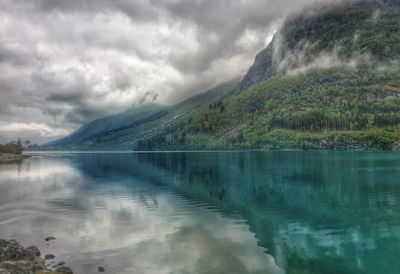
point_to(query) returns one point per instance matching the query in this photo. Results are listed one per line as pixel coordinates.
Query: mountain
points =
(330, 79)
(331, 36)
(114, 123)
(123, 131)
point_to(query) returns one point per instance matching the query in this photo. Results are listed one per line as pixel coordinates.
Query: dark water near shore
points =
(222, 212)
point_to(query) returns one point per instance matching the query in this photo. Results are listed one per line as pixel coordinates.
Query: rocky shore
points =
(15, 259)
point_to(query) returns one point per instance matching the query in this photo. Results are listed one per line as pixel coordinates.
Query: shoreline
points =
(14, 258)
(8, 157)
(31, 153)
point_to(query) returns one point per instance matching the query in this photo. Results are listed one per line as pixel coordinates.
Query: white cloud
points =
(43, 130)
(64, 63)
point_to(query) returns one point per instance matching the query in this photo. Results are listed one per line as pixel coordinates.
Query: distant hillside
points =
(330, 79)
(123, 131)
(109, 124)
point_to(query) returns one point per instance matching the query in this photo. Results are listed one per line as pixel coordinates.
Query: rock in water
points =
(13, 242)
(60, 263)
(34, 249)
(49, 256)
(15, 259)
(64, 270)
(101, 269)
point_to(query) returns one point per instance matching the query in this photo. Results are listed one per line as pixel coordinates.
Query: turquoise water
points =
(204, 212)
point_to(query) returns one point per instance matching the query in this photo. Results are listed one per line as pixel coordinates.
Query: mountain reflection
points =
(315, 212)
(114, 211)
(242, 212)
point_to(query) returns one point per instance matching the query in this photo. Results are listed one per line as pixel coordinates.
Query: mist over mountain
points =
(329, 79)
(66, 63)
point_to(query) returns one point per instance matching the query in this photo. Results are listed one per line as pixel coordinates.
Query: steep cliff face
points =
(261, 69)
(348, 34)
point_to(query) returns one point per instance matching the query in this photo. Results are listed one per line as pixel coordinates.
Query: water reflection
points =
(244, 212)
(111, 210)
(319, 212)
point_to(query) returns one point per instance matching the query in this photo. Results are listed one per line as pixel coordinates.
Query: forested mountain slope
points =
(330, 79)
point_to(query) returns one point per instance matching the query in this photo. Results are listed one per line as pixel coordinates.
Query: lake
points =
(208, 212)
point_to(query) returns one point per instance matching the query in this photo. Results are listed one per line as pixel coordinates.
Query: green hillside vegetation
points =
(328, 80)
(330, 109)
(369, 28)
(352, 103)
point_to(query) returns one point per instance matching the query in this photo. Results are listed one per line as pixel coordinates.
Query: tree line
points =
(15, 147)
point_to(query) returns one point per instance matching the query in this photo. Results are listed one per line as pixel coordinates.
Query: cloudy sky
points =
(66, 62)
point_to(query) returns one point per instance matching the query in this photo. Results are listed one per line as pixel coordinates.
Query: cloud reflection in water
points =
(124, 223)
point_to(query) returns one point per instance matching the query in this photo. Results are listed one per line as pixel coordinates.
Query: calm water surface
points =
(221, 212)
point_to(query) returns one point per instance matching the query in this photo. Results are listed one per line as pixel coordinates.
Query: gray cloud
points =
(64, 63)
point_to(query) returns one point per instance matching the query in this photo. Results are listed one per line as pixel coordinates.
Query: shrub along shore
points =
(12, 151)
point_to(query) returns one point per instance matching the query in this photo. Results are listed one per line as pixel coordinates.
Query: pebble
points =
(49, 256)
(60, 263)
